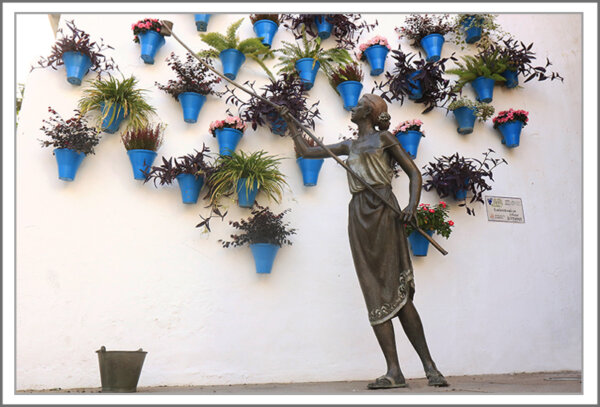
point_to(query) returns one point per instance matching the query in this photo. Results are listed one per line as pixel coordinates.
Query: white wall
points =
(106, 260)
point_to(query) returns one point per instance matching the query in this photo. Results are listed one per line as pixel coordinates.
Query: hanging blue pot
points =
(512, 78)
(416, 89)
(266, 29)
(350, 92)
(376, 55)
(511, 133)
(419, 244)
(112, 121)
(76, 65)
(323, 26)
(310, 168)
(264, 256)
(461, 193)
(473, 32)
(228, 139)
(191, 103)
(432, 44)
(190, 186)
(410, 141)
(307, 70)
(151, 41)
(246, 197)
(201, 21)
(141, 160)
(465, 116)
(68, 161)
(276, 123)
(232, 60)
(484, 88)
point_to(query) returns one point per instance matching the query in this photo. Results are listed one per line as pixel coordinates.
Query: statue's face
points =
(361, 111)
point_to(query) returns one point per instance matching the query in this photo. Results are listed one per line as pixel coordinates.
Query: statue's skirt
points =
(380, 253)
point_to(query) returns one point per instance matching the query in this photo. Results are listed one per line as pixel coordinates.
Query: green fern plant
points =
(255, 167)
(472, 67)
(292, 52)
(111, 92)
(252, 48)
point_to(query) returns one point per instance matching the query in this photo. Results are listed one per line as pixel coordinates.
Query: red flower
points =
(450, 223)
(431, 211)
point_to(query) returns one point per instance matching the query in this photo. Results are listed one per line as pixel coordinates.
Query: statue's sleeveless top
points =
(371, 161)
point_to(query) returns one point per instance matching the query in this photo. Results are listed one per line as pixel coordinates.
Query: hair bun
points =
(384, 120)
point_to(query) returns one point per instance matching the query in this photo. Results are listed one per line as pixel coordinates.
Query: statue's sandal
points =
(386, 382)
(437, 380)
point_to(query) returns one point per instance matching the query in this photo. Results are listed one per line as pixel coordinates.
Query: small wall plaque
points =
(504, 209)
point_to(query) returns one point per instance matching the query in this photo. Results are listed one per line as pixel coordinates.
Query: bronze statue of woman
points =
(377, 235)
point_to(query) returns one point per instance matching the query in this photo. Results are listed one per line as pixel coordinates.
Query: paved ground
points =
(518, 383)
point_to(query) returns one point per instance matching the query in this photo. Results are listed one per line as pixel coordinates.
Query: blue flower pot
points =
(113, 119)
(461, 194)
(228, 139)
(465, 116)
(511, 133)
(151, 41)
(473, 33)
(232, 60)
(310, 168)
(484, 88)
(432, 44)
(307, 70)
(76, 65)
(410, 141)
(418, 244)
(376, 55)
(68, 162)
(416, 89)
(276, 123)
(191, 103)
(190, 186)
(323, 27)
(141, 160)
(246, 197)
(512, 78)
(350, 92)
(201, 21)
(264, 256)
(266, 29)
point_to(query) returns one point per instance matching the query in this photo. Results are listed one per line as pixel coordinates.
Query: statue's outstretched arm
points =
(306, 151)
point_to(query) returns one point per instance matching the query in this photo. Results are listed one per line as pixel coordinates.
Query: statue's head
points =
(372, 107)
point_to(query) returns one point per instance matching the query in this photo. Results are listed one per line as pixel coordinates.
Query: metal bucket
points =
(120, 370)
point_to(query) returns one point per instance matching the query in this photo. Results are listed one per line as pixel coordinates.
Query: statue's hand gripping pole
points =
(169, 25)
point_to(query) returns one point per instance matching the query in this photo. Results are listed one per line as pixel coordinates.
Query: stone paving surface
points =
(564, 382)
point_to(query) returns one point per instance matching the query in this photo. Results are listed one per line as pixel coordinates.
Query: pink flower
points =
(432, 211)
(443, 204)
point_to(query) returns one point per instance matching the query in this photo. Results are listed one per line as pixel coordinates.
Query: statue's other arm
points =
(410, 168)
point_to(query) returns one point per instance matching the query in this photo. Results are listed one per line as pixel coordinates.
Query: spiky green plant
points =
(291, 52)
(111, 92)
(255, 167)
(489, 65)
(252, 48)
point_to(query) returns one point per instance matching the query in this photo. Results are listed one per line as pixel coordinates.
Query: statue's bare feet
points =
(435, 378)
(388, 381)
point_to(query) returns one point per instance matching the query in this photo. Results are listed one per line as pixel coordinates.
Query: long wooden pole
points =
(168, 25)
